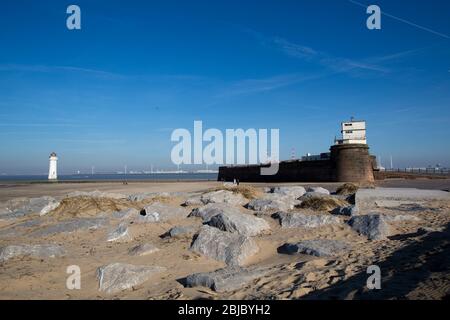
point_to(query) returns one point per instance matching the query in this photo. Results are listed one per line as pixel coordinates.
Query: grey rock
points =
(158, 212)
(35, 251)
(346, 211)
(308, 195)
(292, 191)
(232, 248)
(374, 226)
(223, 196)
(72, 225)
(316, 247)
(211, 209)
(49, 207)
(125, 214)
(148, 216)
(318, 190)
(193, 201)
(120, 234)
(147, 196)
(301, 220)
(239, 222)
(143, 249)
(176, 232)
(227, 279)
(17, 208)
(274, 202)
(116, 277)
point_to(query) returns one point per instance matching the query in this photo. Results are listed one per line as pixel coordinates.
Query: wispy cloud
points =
(335, 63)
(105, 142)
(101, 73)
(75, 125)
(338, 64)
(413, 24)
(330, 62)
(248, 86)
(332, 65)
(51, 69)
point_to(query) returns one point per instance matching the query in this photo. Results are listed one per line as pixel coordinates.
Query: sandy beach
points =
(413, 258)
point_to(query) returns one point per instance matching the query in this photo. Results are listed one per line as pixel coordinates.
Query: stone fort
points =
(348, 161)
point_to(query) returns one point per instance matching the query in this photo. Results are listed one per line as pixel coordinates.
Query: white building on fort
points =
(353, 132)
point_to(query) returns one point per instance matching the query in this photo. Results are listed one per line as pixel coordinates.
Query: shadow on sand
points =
(401, 272)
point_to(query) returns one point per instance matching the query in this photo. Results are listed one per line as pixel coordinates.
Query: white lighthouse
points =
(52, 170)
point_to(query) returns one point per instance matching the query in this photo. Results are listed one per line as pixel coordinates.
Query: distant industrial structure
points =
(53, 169)
(348, 161)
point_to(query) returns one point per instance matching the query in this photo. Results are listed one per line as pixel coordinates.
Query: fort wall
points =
(347, 163)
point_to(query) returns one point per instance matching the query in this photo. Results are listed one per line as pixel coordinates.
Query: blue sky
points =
(111, 93)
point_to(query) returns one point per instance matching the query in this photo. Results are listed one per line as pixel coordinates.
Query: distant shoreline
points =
(86, 178)
(21, 182)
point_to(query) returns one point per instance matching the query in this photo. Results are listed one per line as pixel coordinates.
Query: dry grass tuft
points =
(246, 191)
(323, 203)
(347, 188)
(89, 206)
(92, 206)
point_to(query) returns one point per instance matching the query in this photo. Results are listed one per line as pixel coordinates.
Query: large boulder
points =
(117, 276)
(72, 225)
(223, 196)
(35, 251)
(158, 212)
(120, 234)
(273, 202)
(227, 279)
(193, 201)
(373, 226)
(239, 222)
(318, 190)
(302, 220)
(231, 248)
(211, 209)
(316, 247)
(17, 208)
(292, 191)
(143, 249)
